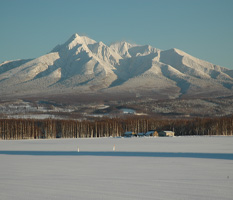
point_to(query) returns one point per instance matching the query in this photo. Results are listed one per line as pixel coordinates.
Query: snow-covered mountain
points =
(82, 65)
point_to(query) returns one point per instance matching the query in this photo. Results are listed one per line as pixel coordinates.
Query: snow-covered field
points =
(140, 168)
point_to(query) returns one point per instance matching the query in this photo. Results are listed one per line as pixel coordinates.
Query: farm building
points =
(151, 133)
(140, 134)
(166, 134)
(129, 134)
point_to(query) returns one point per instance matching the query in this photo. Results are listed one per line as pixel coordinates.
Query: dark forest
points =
(14, 129)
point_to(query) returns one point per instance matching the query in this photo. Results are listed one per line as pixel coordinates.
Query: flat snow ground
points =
(173, 168)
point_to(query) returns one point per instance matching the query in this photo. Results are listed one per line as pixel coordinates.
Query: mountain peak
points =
(178, 51)
(76, 39)
(123, 44)
(122, 48)
(84, 65)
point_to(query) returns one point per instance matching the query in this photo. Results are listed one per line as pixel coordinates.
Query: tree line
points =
(53, 128)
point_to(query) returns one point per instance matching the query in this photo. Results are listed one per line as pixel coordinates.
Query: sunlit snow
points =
(139, 168)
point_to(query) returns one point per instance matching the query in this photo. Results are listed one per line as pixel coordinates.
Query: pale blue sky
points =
(202, 28)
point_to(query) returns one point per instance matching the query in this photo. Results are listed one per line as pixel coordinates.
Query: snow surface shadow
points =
(224, 156)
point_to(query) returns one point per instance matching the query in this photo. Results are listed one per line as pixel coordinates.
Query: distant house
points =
(166, 134)
(129, 134)
(151, 133)
(140, 134)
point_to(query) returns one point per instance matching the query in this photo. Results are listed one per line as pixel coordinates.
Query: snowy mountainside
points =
(83, 65)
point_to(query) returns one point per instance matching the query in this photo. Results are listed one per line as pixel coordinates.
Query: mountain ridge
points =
(83, 65)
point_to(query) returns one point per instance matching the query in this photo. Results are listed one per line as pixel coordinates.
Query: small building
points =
(166, 134)
(129, 134)
(141, 134)
(151, 133)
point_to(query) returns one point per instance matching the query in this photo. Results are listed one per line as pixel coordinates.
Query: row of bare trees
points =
(51, 128)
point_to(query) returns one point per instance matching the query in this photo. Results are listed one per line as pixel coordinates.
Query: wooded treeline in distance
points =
(52, 128)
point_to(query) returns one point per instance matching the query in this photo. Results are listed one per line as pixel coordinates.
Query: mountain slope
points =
(83, 65)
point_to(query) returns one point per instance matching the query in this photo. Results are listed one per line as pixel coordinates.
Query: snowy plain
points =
(140, 168)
